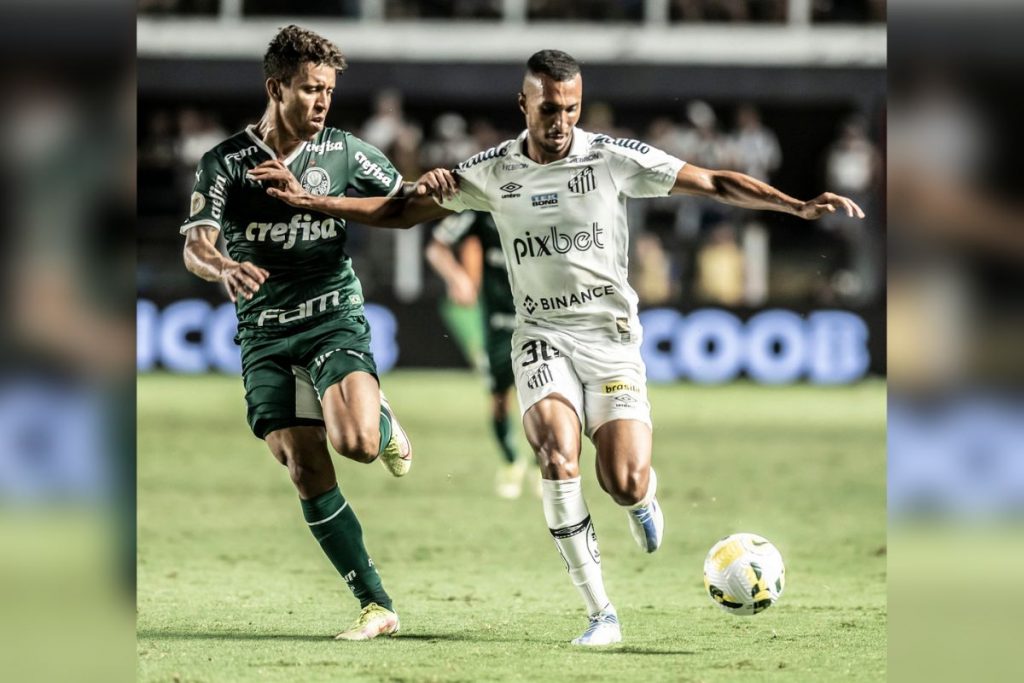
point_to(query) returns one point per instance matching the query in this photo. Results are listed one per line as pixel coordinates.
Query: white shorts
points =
(603, 380)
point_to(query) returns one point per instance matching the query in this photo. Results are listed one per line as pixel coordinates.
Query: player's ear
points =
(274, 89)
(522, 102)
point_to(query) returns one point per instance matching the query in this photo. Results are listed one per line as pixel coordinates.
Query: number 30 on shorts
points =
(536, 350)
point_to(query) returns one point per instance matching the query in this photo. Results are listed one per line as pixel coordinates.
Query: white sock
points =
(569, 522)
(652, 490)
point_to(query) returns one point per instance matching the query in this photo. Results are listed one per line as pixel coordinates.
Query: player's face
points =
(552, 108)
(306, 99)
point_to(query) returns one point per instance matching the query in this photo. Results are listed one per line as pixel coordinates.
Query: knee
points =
(557, 461)
(628, 485)
(359, 444)
(311, 475)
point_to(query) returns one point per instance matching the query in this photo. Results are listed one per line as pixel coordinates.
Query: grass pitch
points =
(232, 586)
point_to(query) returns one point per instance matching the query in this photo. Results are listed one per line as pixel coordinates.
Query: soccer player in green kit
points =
(480, 266)
(308, 372)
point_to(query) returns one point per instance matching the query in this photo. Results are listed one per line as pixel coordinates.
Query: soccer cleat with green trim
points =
(373, 621)
(397, 455)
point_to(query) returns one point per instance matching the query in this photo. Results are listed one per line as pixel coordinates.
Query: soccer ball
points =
(744, 574)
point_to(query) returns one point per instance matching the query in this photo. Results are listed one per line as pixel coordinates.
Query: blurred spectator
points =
(204, 7)
(388, 131)
(853, 168)
(651, 271)
(442, 9)
(383, 127)
(720, 270)
(757, 147)
(593, 10)
(599, 117)
(848, 11)
(307, 8)
(758, 154)
(727, 10)
(451, 143)
(198, 131)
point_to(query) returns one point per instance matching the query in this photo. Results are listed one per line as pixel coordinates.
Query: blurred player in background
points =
(480, 267)
(306, 363)
(558, 197)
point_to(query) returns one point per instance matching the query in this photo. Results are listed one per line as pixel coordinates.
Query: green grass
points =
(232, 586)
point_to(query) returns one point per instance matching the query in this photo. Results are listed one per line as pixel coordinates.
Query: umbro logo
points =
(510, 190)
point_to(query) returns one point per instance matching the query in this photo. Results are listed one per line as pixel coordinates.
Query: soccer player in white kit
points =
(558, 196)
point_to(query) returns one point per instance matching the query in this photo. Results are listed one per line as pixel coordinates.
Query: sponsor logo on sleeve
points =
(492, 153)
(374, 170)
(197, 204)
(316, 180)
(218, 193)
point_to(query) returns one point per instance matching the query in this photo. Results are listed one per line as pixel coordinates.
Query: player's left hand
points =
(439, 183)
(280, 182)
(829, 203)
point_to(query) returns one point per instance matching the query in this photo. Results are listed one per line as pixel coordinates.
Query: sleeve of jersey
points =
(453, 228)
(371, 173)
(209, 194)
(641, 170)
(471, 195)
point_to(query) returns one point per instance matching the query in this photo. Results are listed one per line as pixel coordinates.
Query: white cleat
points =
(647, 524)
(397, 455)
(603, 629)
(373, 621)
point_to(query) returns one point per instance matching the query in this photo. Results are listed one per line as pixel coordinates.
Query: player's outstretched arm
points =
(739, 189)
(385, 212)
(203, 259)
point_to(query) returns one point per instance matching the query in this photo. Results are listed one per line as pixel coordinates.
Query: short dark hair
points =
(554, 63)
(293, 46)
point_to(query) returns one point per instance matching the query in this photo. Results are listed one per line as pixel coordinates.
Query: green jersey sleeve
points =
(209, 194)
(371, 174)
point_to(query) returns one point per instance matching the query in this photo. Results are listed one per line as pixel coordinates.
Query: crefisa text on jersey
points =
(289, 233)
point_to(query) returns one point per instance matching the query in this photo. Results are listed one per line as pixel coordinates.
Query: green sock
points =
(504, 437)
(385, 430)
(335, 527)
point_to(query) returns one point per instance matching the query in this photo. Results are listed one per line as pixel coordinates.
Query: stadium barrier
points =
(706, 346)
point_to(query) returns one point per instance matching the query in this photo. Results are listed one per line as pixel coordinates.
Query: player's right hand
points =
(243, 279)
(279, 182)
(440, 183)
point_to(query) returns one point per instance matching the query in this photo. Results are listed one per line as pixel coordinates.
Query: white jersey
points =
(563, 227)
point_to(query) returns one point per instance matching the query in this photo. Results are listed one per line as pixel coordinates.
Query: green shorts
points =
(498, 342)
(285, 377)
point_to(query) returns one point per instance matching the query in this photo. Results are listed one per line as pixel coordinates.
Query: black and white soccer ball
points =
(744, 574)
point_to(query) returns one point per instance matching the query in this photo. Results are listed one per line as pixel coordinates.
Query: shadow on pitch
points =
(297, 637)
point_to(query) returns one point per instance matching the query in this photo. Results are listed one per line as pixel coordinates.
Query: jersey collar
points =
(251, 132)
(578, 147)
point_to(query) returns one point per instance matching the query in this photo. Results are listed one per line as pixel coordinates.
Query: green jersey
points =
(311, 276)
(495, 292)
